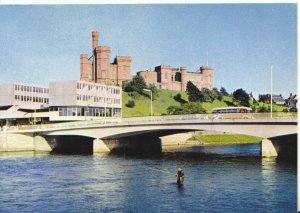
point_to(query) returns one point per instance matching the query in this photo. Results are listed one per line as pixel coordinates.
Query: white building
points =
(24, 96)
(85, 99)
(63, 101)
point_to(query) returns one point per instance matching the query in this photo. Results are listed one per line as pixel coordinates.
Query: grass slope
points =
(142, 103)
(165, 99)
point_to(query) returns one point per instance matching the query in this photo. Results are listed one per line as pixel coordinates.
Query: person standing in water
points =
(180, 176)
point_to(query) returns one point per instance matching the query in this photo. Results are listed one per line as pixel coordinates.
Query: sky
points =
(43, 43)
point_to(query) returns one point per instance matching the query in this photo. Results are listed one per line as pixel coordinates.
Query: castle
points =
(165, 77)
(98, 69)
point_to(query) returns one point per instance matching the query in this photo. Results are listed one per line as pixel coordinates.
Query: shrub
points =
(134, 95)
(130, 104)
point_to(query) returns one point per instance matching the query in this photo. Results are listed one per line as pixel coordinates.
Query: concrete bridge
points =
(261, 125)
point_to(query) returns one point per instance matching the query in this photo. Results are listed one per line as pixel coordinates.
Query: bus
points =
(232, 113)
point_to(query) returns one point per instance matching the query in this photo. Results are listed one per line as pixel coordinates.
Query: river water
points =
(217, 179)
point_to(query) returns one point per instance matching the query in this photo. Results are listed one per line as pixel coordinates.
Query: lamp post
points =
(151, 108)
(271, 92)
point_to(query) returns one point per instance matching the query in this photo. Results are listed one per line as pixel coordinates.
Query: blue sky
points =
(42, 43)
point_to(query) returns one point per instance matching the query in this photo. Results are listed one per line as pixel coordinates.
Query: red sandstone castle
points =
(165, 77)
(98, 69)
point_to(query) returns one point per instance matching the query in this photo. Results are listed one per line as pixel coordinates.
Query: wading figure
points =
(180, 176)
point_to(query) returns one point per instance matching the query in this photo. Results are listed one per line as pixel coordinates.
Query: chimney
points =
(95, 36)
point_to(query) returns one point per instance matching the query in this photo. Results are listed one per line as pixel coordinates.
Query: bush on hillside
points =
(130, 104)
(187, 108)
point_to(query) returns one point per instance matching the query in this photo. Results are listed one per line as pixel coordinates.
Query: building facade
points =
(166, 77)
(85, 99)
(98, 69)
(24, 96)
(62, 101)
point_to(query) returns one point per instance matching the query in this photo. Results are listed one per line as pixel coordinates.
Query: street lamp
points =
(148, 90)
(271, 91)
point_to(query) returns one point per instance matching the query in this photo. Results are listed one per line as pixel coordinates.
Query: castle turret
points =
(183, 78)
(95, 39)
(208, 76)
(85, 72)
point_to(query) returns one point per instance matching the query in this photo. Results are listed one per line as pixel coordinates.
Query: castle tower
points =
(95, 39)
(208, 76)
(85, 69)
(183, 78)
(102, 71)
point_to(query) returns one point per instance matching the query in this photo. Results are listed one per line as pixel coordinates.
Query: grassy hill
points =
(165, 99)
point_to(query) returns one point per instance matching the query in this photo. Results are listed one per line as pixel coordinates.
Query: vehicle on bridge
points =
(232, 113)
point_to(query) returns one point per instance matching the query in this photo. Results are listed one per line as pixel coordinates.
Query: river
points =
(217, 179)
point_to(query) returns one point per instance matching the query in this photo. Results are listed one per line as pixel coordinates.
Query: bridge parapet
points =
(156, 120)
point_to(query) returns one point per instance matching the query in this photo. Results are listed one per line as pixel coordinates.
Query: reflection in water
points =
(214, 182)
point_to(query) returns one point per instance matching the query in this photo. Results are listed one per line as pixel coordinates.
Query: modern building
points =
(166, 77)
(62, 101)
(84, 99)
(24, 96)
(98, 69)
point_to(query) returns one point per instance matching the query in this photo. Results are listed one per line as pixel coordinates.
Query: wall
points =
(62, 93)
(6, 94)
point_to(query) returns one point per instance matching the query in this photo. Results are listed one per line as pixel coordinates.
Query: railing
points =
(154, 120)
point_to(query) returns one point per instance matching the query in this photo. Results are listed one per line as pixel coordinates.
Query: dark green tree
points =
(241, 97)
(154, 90)
(194, 94)
(223, 91)
(137, 84)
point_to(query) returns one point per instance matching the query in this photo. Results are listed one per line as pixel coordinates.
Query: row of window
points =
(85, 111)
(31, 99)
(31, 89)
(98, 88)
(97, 99)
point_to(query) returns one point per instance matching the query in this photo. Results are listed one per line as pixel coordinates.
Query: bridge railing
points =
(152, 120)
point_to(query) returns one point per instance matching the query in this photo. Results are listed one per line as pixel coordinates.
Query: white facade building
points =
(80, 98)
(62, 101)
(24, 96)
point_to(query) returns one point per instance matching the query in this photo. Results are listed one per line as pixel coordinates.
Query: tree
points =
(207, 95)
(137, 84)
(194, 94)
(265, 98)
(217, 94)
(241, 97)
(154, 90)
(223, 91)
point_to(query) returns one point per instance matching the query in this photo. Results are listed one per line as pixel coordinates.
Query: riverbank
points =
(202, 138)
(225, 139)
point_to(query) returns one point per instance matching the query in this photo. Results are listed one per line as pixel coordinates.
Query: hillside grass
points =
(165, 98)
(228, 139)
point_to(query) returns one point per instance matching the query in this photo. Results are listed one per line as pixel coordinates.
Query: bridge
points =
(261, 125)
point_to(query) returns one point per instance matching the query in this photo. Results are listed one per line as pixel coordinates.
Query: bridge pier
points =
(41, 144)
(267, 148)
(99, 146)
